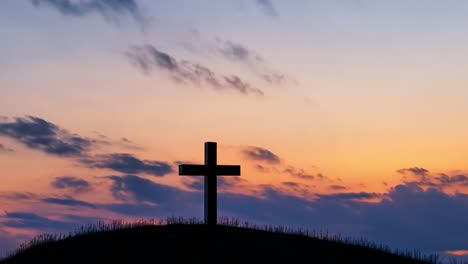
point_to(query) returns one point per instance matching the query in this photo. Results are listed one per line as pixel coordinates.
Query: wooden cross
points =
(210, 170)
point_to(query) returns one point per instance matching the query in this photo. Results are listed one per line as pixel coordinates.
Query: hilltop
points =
(197, 243)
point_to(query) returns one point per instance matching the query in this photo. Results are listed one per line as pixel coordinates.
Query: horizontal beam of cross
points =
(199, 170)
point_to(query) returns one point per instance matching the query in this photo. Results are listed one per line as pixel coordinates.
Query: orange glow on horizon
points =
(461, 252)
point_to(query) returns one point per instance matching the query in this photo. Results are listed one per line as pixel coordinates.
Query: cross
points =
(210, 170)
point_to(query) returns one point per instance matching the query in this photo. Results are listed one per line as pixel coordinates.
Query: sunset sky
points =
(345, 115)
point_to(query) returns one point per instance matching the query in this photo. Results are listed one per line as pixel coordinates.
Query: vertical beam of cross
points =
(210, 170)
(211, 159)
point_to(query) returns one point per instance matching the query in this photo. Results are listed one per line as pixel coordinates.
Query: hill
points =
(196, 243)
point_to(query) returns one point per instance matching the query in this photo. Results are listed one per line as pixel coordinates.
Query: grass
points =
(178, 239)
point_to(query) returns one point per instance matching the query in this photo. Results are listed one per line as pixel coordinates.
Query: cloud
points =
(415, 170)
(15, 196)
(274, 78)
(109, 9)
(179, 162)
(148, 58)
(439, 181)
(223, 183)
(195, 183)
(142, 197)
(142, 190)
(127, 143)
(435, 220)
(350, 196)
(262, 168)
(238, 52)
(68, 202)
(74, 184)
(337, 187)
(267, 7)
(129, 164)
(291, 184)
(265, 155)
(4, 148)
(32, 220)
(236, 83)
(271, 206)
(446, 180)
(431, 216)
(300, 173)
(261, 154)
(9, 242)
(38, 134)
(296, 188)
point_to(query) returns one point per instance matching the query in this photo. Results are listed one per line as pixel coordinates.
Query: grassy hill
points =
(189, 242)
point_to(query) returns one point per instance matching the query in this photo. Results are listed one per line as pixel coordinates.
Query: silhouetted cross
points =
(210, 170)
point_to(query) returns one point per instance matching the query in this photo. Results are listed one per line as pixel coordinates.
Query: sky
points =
(345, 115)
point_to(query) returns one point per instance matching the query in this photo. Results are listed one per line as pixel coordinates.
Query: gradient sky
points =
(346, 116)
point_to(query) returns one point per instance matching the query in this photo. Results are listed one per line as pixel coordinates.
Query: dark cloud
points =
(4, 148)
(261, 154)
(236, 83)
(132, 187)
(74, 184)
(9, 242)
(229, 182)
(238, 52)
(274, 78)
(179, 162)
(128, 144)
(297, 188)
(147, 58)
(415, 170)
(350, 196)
(440, 181)
(267, 7)
(446, 180)
(291, 184)
(224, 183)
(435, 220)
(337, 187)
(194, 183)
(272, 206)
(38, 134)
(142, 197)
(430, 216)
(68, 202)
(17, 196)
(110, 9)
(300, 173)
(30, 220)
(262, 168)
(127, 163)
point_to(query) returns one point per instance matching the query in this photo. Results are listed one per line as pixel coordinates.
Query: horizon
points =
(345, 116)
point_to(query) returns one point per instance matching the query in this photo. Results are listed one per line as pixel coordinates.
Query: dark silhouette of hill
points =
(197, 243)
